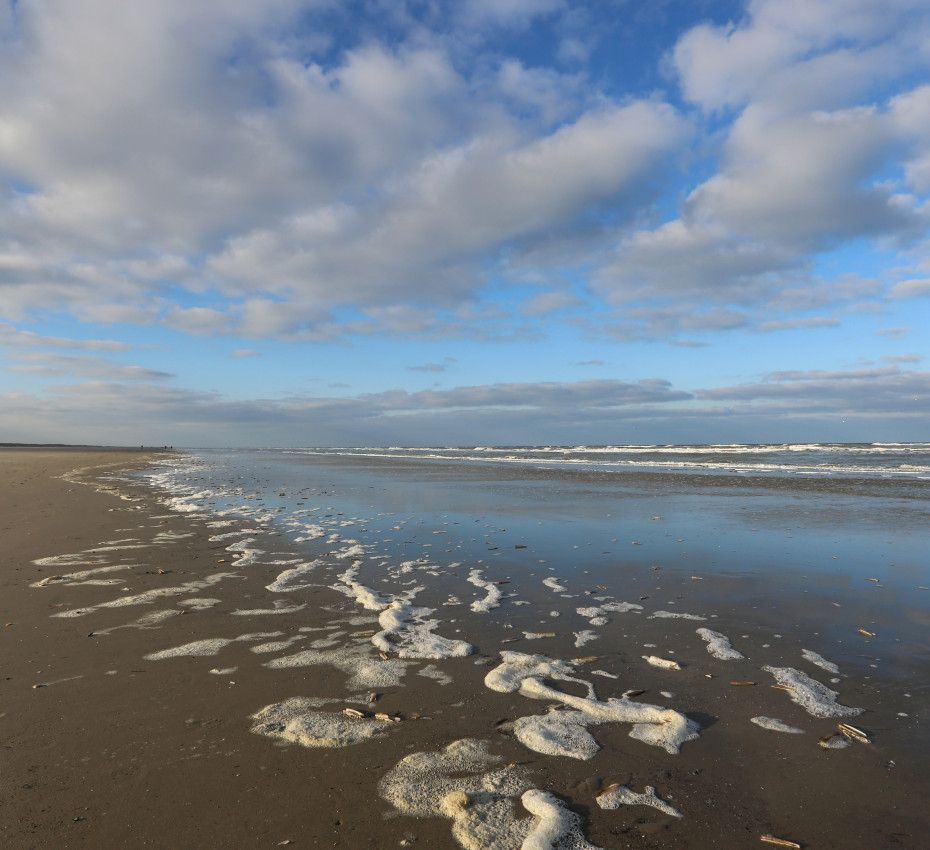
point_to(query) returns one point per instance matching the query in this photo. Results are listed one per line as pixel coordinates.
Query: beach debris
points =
(773, 724)
(779, 842)
(537, 635)
(853, 733)
(819, 661)
(663, 663)
(814, 697)
(616, 795)
(585, 659)
(742, 684)
(834, 741)
(865, 632)
(719, 646)
(354, 713)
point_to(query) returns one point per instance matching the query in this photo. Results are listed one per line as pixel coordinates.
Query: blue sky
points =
(300, 222)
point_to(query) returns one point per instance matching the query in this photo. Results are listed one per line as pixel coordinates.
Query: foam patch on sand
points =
(279, 607)
(773, 724)
(719, 645)
(228, 535)
(199, 603)
(408, 632)
(297, 721)
(467, 784)
(310, 532)
(276, 645)
(431, 671)
(553, 585)
(818, 660)
(662, 663)
(150, 596)
(613, 798)
(815, 698)
(354, 551)
(78, 576)
(152, 620)
(563, 732)
(72, 559)
(492, 598)
(364, 669)
(246, 554)
(293, 579)
(585, 636)
(365, 596)
(518, 667)
(554, 826)
(674, 615)
(171, 536)
(210, 646)
(595, 613)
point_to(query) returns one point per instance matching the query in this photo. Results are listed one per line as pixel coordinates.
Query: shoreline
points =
(108, 760)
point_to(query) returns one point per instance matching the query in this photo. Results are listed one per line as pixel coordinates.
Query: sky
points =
(421, 222)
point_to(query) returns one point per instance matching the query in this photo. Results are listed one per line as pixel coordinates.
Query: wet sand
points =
(115, 750)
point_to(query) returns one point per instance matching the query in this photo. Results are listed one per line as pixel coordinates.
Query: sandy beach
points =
(149, 674)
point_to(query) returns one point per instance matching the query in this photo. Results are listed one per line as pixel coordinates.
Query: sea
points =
(797, 525)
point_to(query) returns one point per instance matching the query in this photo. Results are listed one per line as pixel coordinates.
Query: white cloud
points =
(914, 288)
(789, 49)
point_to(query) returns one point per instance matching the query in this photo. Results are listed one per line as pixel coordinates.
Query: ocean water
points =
(873, 460)
(839, 516)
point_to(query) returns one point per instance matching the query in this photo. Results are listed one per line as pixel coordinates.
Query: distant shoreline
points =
(86, 447)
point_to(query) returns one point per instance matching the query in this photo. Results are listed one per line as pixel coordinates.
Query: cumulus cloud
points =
(251, 166)
(803, 164)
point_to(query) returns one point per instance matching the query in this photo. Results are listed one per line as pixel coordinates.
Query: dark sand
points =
(159, 754)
